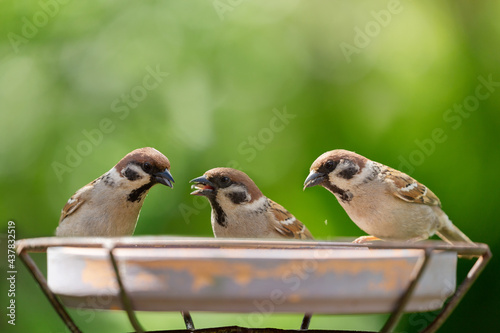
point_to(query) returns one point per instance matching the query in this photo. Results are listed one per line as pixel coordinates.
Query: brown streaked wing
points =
(71, 206)
(408, 189)
(295, 229)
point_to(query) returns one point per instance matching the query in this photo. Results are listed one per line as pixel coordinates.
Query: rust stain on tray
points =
(205, 273)
(294, 298)
(391, 271)
(143, 278)
(98, 274)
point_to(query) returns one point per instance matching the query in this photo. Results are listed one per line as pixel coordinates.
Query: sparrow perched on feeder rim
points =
(110, 205)
(240, 210)
(384, 202)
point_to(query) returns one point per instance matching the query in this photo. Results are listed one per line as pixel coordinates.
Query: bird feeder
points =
(234, 275)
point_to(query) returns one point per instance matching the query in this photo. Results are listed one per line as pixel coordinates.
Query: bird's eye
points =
(224, 180)
(330, 165)
(147, 167)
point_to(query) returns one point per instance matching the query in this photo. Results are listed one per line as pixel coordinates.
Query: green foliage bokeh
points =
(262, 86)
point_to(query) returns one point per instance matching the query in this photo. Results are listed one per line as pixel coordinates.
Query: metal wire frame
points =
(40, 245)
(126, 301)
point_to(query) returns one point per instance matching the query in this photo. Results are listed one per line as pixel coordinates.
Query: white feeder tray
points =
(234, 276)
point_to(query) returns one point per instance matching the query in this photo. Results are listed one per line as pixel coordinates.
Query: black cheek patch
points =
(349, 172)
(131, 174)
(237, 197)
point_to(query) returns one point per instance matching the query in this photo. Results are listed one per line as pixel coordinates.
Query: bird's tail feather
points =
(451, 234)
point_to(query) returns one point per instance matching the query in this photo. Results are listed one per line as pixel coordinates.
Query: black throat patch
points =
(343, 195)
(137, 194)
(220, 215)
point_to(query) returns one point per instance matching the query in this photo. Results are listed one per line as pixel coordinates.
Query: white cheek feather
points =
(367, 170)
(120, 181)
(114, 174)
(332, 177)
(254, 206)
(370, 171)
(116, 178)
(337, 180)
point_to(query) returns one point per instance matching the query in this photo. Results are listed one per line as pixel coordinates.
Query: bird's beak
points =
(164, 178)
(202, 186)
(314, 178)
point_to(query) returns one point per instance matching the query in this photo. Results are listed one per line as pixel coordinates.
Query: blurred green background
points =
(262, 86)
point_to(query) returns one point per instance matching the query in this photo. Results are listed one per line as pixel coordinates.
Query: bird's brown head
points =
(336, 166)
(226, 183)
(145, 165)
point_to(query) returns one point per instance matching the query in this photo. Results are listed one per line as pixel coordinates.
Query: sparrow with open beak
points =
(240, 210)
(384, 202)
(110, 205)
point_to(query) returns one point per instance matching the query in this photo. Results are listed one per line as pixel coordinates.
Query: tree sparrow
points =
(239, 209)
(384, 202)
(110, 205)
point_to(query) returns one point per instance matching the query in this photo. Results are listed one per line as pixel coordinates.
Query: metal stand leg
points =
(401, 304)
(459, 293)
(306, 321)
(126, 301)
(482, 251)
(187, 320)
(56, 304)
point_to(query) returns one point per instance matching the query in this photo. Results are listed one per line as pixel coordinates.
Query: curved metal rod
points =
(42, 244)
(306, 321)
(459, 293)
(188, 321)
(405, 298)
(42, 282)
(126, 301)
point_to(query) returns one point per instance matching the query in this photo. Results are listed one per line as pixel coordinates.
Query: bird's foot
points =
(365, 239)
